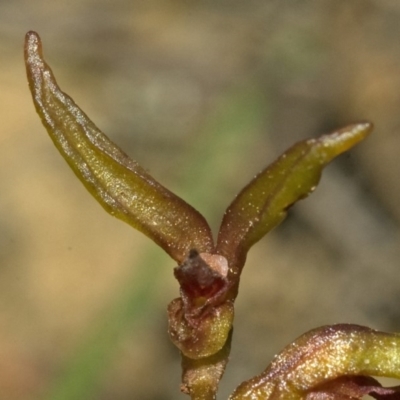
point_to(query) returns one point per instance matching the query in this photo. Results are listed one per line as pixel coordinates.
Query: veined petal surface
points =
(263, 203)
(117, 182)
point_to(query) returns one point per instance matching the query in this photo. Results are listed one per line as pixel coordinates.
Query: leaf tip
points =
(35, 65)
(344, 139)
(33, 46)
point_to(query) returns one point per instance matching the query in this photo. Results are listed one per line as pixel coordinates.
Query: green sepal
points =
(117, 182)
(263, 203)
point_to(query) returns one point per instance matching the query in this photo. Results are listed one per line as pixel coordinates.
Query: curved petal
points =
(118, 183)
(264, 202)
(354, 387)
(320, 356)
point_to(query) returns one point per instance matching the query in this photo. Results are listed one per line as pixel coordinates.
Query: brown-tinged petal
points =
(322, 355)
(117, 182)
(264, 202)
(353, 387)
(203, 282)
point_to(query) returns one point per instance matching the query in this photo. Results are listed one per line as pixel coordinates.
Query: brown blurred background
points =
(204, 94)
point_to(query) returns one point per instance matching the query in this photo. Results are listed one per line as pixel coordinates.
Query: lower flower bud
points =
(202, 336)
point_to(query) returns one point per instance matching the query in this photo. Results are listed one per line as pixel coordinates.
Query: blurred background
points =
(203, 94)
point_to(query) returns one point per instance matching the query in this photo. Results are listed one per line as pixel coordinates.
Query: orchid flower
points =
(333, 362)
